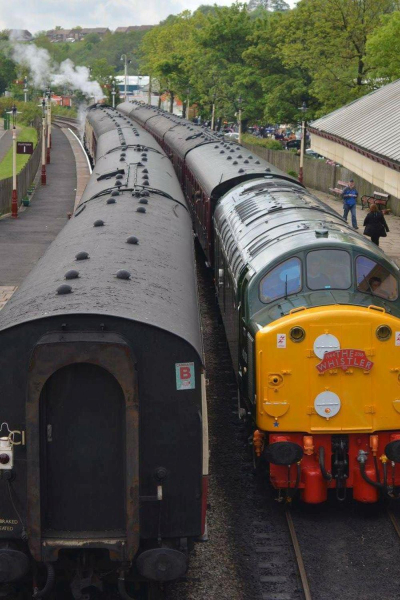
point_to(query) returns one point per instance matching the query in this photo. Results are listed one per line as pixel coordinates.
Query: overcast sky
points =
(36, 15)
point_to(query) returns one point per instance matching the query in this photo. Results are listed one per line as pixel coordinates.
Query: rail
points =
(298, 555)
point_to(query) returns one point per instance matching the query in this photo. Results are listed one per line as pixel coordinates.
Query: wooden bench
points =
(337, 191)
(379, 198)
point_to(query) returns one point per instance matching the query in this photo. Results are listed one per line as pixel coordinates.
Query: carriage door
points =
(82, 415)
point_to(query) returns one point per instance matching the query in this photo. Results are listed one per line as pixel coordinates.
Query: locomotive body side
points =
(104, 413)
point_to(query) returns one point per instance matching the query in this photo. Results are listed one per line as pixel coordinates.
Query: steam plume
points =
(44, 71)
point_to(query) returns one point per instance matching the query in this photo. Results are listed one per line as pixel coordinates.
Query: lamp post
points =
(125, 58)
(14, 197)
(43, 142)
(303, 141)
(113, 92)
(25, 89)
(139, 85)
(48, 97)
(213, 112)
(240, 100)
(187, 103)
(149, 91)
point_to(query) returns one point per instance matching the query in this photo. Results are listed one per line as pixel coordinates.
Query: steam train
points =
(312, 317)
(104, 457)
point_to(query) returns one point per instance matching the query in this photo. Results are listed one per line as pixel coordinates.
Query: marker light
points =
(4, 459)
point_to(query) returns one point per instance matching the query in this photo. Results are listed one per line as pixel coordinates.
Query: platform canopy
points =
(364, 136)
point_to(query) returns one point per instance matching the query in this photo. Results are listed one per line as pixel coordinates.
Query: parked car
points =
(232, 136)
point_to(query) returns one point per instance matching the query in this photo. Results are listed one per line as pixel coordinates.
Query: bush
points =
(264, 143)
(293, 174)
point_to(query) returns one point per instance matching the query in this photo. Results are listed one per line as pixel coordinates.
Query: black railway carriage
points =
(207, 166)
(103, 464)
(312, 315)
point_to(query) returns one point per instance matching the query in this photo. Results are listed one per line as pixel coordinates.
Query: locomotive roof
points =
(268, 218)
(161, 291)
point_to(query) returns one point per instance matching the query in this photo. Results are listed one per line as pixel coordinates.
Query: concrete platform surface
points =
(24, 240)
(389, 244)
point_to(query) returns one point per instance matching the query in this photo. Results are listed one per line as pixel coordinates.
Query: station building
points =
(364, 137)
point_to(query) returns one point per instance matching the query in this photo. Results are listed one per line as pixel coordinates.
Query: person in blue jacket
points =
(350, 195)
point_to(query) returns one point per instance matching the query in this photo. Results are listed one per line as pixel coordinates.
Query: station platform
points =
(389, 244)
(24, 240)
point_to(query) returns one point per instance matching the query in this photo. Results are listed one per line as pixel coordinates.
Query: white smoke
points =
(45, 72)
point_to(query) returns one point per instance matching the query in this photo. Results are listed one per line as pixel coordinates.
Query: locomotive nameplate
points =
(344, 359)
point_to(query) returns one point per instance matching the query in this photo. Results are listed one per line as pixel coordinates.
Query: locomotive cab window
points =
(283, 280)
(328, 269)
(373, 278)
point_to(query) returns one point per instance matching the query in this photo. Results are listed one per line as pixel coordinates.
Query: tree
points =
(284, 89)
(7, 73)
(272, 5)
(383, 49)
(328, 38)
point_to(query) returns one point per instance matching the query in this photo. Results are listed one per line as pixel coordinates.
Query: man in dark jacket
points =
(350, 195)
(375, 224)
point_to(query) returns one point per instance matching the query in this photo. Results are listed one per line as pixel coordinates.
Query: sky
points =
(36, 15)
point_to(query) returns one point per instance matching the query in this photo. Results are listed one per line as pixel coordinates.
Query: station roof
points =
(370, 124)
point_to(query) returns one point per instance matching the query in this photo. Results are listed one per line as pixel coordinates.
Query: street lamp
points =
(139, 85)
(25, 89)
(213, 112)
(113, 92)
(239, 101)
(303, 141)
(43, 142)
(125, 58)
(187, 103)
(14, 196)
(48, 99)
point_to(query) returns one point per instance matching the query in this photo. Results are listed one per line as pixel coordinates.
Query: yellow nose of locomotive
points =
(333, 369)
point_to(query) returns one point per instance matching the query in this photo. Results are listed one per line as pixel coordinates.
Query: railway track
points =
(67, 122)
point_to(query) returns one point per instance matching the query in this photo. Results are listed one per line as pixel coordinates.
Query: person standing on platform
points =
(350, 195)
(375, 224)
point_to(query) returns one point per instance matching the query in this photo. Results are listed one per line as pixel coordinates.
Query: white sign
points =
(281, 340)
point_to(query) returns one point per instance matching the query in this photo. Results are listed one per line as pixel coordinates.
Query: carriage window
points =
(328, 269)
(285, 279)
(373, 278)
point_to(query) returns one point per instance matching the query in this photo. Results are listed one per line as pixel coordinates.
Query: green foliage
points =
(27, 113)
(383, 48)
(26, 134)
(262, 142)
(62, 111)
(293, 174)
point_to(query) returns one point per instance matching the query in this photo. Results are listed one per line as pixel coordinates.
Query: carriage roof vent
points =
(321, 233)
(143, 201)
(72, 274)
(98, 223)
(64, 289)
(82, 256)
(132, 239)
(111, 201)
(141, 209)
(123, 274)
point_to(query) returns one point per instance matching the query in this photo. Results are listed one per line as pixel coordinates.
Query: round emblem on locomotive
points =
(327, 404)
(325, 343)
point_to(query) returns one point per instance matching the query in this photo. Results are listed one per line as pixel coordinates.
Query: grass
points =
(26, 134)
(263, 142)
